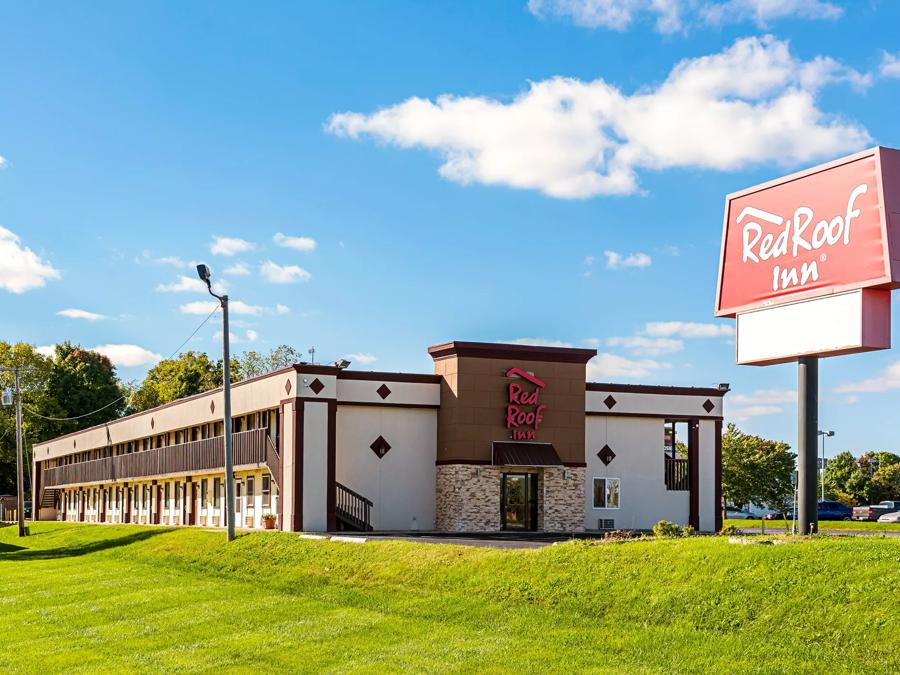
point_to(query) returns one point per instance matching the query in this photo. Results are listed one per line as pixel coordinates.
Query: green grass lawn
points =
(83, 598)
(779, 525)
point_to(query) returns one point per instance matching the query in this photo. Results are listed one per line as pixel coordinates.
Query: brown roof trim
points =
(493, 350)
(487, 462)
(375, 376)
(178, 401)
(655, 389)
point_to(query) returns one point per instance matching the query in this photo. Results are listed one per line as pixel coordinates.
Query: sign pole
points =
(807, 442)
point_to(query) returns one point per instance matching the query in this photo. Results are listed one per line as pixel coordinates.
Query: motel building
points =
(500, 437)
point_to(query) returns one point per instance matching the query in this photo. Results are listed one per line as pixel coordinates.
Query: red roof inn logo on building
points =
(524, 411)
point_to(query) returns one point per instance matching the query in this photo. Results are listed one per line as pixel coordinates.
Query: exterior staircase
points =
(353, 512)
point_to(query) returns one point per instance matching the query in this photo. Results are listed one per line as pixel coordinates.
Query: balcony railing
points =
(250, 447)
(678, 475)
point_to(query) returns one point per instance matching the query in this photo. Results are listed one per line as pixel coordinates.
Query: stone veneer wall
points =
(468, 498)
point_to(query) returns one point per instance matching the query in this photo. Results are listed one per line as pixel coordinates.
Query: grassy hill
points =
(83, 598)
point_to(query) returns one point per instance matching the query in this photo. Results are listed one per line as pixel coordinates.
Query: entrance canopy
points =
(511, 453)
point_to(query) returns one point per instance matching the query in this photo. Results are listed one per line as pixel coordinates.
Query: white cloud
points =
(688, 329)
(189, 285)
(3, 162)
(203, 307)
(890, 65)
(287, 274)
(647, 346)
(304, 244)
(80, 314)
(673, 16)
(606, 366)
(764, 397)
(742, 414)
(247, 337)
(282, 309)
(538, 342)
(230, 246)
(887, 380)
(238, 270)
(171, 260)
(127, 355)
(362, 358)
(750, 104)
(22, 269)
(46, 350)
(763, 12)
(616, 261)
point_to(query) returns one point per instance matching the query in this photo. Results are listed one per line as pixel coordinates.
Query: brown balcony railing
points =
(678, 475)
(250, 447)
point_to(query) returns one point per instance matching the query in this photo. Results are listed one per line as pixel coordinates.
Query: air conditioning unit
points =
(606, 524)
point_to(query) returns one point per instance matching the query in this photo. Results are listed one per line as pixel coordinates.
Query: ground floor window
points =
(518, 501)
(606, 493)
(266, 492)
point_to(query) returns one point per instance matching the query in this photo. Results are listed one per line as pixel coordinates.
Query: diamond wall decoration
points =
(317, 386)
(609, 402)
(212, 406)
(708, 406)
(287, 387)
(380, 447)
(606, 455)
(152, 423)
(383, 391)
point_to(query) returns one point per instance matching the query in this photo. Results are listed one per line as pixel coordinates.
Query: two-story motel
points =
(500, 437)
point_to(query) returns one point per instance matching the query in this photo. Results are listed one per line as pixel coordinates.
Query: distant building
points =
(500, 437)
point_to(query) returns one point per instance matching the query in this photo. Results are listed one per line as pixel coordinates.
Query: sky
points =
(374, 178)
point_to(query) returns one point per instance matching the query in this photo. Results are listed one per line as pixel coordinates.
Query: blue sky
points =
(550, 171)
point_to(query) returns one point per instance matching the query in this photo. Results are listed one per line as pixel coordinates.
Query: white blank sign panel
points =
(851, 322)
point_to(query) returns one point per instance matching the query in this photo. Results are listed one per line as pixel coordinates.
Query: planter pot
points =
(269, 524)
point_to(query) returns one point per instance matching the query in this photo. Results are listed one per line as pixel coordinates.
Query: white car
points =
(739, 514)
(890, 517)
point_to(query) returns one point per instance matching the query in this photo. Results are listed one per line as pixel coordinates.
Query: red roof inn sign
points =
(524, 410)
(808, 260)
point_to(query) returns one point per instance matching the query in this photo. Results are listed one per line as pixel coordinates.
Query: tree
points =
(252, 364)
(189, 374)
(72, 382)
(837, 474)
(886, 483)
(755, 469)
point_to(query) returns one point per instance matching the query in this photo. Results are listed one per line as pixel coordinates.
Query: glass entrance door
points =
(518, 501)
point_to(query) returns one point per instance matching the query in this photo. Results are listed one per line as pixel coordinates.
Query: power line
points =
(93, 412)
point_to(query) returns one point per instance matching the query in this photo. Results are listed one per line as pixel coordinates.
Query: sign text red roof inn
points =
(832, 228)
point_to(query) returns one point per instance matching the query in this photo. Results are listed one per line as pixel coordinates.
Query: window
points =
(217, 491)
(177, 495)
(606, 493)
(204, 491)
(167, 495)
(251, 486)
(266, 492)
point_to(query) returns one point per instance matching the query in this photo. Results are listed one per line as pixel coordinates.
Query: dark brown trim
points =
(661, 416)
(654, 389)
(717, 486)
(375, 376)
(308, 369)
(217, 390)
(493, 350)
(282, 414)
(316, 399)
(694, 474)
(331, 496)
(478, 462)
(427, 406)
(297, 519)
(575, 465)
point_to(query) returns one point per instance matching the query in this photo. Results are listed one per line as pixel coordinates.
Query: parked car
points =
(875, 511)
(832, 510)
(28, 510)
(734, 513)
(893, 517)
(774, 516)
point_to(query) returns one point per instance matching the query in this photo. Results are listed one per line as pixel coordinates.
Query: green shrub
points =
(667, 530)
(731, 531)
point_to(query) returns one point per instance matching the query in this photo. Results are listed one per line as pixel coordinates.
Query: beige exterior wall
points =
(315, 466)
(401, 484)
(661, 405)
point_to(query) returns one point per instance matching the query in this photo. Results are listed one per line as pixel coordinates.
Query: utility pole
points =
(824, 435)
(312, 356)
(20, 459)
(204, 274)
(807, 432)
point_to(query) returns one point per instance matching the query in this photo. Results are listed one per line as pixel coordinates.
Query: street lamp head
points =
(204, 273)
(7, 397)
(341, 363)
(724, 387)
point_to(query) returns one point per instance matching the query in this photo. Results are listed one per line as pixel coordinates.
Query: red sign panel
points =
(524, 411)
(809, 234)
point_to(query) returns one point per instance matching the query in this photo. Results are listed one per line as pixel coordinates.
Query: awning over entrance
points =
(511, 453)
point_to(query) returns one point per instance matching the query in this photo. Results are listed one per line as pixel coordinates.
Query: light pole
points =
(204, 273)
(20, 461)
(824, 434)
